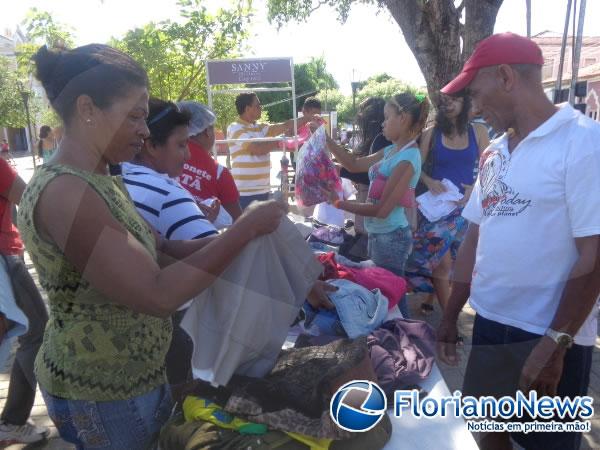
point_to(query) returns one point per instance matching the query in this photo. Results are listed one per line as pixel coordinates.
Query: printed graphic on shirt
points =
(194, 181)
(497, 197)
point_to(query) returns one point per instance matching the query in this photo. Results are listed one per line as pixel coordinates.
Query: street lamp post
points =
(25, 97)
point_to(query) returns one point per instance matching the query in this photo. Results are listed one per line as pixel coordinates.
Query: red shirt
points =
(10, 239)
(205, 178)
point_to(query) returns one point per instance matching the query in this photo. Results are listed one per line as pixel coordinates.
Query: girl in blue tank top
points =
(450, 151)
(393, 175)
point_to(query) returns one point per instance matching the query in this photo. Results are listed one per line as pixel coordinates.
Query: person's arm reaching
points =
(287, 127)
(234, 209)
(395, 187)
(351, 162)
(261, 148)
(117, 264)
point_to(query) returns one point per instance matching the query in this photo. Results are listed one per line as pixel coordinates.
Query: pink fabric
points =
(290, 144)
(390, 285)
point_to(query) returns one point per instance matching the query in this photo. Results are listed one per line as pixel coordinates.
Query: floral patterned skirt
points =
(431, 242)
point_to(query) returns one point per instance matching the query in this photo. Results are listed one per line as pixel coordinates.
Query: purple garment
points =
(402, 352)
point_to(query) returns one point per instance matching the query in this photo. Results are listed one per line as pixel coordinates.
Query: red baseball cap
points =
(503, 48)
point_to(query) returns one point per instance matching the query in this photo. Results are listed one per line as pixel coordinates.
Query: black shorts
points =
(494, 367)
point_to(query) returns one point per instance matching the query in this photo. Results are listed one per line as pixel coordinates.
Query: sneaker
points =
(22, 434)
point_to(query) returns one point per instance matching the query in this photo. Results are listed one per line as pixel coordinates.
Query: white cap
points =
(202, 117)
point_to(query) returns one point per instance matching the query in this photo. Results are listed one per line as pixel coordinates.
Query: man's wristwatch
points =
(562, 339)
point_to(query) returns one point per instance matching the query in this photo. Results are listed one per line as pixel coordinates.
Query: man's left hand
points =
(211, 211)
(317, 297)
(543, 368)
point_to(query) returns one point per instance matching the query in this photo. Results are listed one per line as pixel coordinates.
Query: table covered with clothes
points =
(267, 363)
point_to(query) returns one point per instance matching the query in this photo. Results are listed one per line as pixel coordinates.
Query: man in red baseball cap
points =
(503, 48)
(529, 264)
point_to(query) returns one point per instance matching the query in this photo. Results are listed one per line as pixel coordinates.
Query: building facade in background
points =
(589, 69)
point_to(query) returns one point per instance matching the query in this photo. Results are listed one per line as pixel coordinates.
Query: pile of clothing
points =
(366, 275)
(288, 408)
(238, 324)
(251, 394)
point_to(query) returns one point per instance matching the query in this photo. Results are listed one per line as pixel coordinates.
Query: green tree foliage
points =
(312, 78)
(440, 33)
(12, 111)
(174, 53)
(382, 85)
(332, 98)
(41, 29)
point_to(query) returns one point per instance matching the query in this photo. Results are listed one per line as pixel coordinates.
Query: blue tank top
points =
(457, 166)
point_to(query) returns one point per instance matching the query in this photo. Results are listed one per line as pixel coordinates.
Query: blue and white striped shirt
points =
(165, 204)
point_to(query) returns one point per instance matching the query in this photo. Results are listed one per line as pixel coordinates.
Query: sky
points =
(370, 42)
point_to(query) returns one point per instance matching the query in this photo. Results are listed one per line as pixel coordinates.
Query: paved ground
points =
(452, 375)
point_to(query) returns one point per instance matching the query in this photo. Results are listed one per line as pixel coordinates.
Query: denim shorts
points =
(132, 424)
(497, 357)
(390, 251)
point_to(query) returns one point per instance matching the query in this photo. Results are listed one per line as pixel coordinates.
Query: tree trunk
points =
(480, 17)
(433, 31)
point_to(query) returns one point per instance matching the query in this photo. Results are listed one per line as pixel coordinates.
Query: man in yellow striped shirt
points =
(251, 162)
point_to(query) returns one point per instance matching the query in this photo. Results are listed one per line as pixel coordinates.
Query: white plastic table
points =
(446, 433)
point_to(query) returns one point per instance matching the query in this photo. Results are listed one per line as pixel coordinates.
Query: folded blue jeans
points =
(358, 311)
(131, 424)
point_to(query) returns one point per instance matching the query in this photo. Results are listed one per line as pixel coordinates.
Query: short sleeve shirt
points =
(10, 240)
(397, 218)
(530, 206)
(205, 178)
(252, 173)
(165, 205)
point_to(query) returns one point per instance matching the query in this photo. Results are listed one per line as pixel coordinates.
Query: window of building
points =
(589, 62)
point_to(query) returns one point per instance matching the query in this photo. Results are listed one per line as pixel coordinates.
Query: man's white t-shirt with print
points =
(530, 206)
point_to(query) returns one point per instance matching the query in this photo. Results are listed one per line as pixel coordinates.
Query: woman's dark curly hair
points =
(442, 122)
(369, 120)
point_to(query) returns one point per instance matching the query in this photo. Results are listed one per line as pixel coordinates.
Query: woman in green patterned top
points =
(112, 283)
